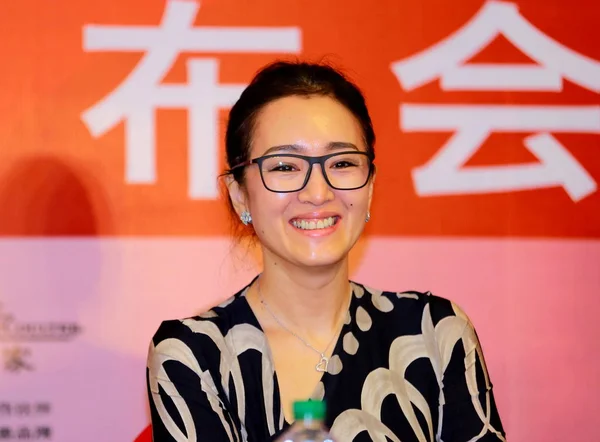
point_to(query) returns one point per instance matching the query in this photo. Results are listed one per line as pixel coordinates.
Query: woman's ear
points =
(237, 194)
(372, 185)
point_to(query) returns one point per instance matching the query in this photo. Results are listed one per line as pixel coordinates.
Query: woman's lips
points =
(311, 225)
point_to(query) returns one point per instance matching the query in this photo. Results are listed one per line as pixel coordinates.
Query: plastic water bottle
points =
(309, 425)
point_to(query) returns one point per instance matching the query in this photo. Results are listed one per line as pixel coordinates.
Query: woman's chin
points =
(320, 258)
(311, 253)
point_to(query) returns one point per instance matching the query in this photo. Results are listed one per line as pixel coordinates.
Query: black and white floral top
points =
(407, 367)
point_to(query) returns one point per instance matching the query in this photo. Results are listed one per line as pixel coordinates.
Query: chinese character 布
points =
(137, 98)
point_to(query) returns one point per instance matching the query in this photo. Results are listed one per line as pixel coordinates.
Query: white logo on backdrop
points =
(137, 98)
(445, 173)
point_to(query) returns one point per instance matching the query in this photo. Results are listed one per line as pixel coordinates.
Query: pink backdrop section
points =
(534, 303)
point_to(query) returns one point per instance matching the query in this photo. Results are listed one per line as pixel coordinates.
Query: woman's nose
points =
(316, 191)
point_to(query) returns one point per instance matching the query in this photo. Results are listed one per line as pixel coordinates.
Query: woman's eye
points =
(283, 168)
(342, 164)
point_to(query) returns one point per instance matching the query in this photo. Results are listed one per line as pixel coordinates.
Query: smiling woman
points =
(300, 147)
(282, 192)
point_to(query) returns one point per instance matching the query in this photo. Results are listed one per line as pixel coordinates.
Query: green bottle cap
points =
(314, 410)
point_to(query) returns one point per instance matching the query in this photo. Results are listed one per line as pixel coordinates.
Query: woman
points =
(403, 365)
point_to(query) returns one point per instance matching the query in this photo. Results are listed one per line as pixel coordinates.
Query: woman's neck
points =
(311, 300)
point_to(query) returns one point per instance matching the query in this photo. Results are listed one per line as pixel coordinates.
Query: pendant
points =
(322, 365)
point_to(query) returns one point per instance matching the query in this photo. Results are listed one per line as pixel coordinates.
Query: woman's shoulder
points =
(213, 323)
(199, 342)
(411, 302)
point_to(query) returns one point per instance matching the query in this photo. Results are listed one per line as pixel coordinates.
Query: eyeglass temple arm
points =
(237, 166)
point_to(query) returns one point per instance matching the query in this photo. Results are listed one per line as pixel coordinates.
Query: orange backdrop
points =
(63, 60)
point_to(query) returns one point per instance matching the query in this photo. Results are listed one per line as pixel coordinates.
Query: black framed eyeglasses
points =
(285, 173)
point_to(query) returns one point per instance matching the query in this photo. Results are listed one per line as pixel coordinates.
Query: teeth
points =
(312, 225)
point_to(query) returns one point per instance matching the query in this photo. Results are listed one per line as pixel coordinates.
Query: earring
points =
(246, 217)
(368, 217)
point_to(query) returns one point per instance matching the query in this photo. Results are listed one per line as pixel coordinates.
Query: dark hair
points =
(283, 79)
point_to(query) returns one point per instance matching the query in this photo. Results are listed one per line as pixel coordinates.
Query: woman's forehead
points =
(311, 124)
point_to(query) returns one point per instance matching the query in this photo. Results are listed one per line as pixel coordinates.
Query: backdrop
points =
(111, 126)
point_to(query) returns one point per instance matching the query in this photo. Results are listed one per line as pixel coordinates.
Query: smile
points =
(315, 224)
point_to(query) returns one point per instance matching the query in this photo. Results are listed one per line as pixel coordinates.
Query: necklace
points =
(324, 360)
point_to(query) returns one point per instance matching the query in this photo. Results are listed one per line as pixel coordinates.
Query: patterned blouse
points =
(407, 366)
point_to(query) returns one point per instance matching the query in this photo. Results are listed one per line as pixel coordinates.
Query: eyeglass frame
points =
(311, 162)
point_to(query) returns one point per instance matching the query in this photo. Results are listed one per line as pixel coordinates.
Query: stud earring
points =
(246, 217)
(368, 217)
